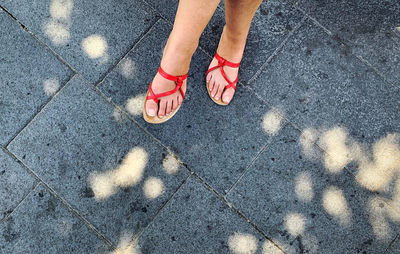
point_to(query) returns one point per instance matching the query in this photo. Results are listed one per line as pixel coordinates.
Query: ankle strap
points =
(177, 79)
(222, 61)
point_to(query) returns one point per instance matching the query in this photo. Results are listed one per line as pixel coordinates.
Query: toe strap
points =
(221, 63)
(177, 79)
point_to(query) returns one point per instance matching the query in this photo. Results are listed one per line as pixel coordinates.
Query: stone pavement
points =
(306, 159)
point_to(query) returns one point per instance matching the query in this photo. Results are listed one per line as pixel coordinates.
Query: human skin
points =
(191, 18)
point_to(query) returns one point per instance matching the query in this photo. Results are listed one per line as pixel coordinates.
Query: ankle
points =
(231, 46)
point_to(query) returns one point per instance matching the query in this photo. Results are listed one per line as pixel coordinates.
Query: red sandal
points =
(151, 96)
(220, 65)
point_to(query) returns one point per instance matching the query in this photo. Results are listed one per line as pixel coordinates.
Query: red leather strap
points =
(177, 79)
(220, 65)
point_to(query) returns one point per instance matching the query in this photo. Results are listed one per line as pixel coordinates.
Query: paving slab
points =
(305, 208)
(42, 224)
(90, 35)
(319, 85)
(30, 75)
(195, 220)
(114, 174)
(167, 8)
(203, 134)
(272, 23)
(15, 184)
(368, 27)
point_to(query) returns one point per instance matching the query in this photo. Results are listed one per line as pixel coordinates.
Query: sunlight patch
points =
(50, 86)
(129, 173)
(304, 186)
(127, 246)
(307, 141)
(117, 115)
(338, 154)
(57, 33)
(61, 9)
(102, 185)
(134, 105)
(170, 164)
(376, 174)
(242, 243)
(294, 223)
(153, 187)
(95, 46)
(377, 216)
(131, 170)
(270, 248)
(127, 68)
(272, 122)
(335, 204)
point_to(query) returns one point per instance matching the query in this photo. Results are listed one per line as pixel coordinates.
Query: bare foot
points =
(232, 50)
(167, 103)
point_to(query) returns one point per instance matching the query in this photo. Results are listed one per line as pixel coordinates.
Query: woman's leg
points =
(191, 18)
(238, 16)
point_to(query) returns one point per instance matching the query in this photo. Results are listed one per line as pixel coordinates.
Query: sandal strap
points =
(221, 62)
(177, 79)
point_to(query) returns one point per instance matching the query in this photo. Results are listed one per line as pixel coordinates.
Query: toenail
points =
(152, 112)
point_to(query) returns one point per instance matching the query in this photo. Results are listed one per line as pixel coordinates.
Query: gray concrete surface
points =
(306, 158)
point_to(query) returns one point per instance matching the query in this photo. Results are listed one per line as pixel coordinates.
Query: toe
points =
(163, 106)
(168, 109)
(180, 99)
(151, 108)
(174, 103)
(208, 78)
(219, 91)
(214, 89)
(211, 84)
(228, 95)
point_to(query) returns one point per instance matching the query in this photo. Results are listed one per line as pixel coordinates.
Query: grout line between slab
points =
(269, 143)
(27, 123)
(104, 76)
(397, 237)
(235, 210)
(343, 44)
(159, 211)
(62, 60)
(276, 52)
(64, 202)
(20, 202)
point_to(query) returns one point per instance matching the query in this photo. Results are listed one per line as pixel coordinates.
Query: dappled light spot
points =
(50, 86)
(272, 122)
(117, 115)
(57, 27)
(338, 154)
(398, 28)
(335, 204)
(127, 245)
(153, 187)
(304, 186)
(129, 173)
(310, 242)
(269, 248)
(95, 46)
(134, 105)
(127, 68)
(307, 141)
(57, 33)
(242, 243)
(61, 9)
(287, 248)
(376, 173)
(170, 164)
(102, 185)
(294, 223)
(378, 220)
(131, 170)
